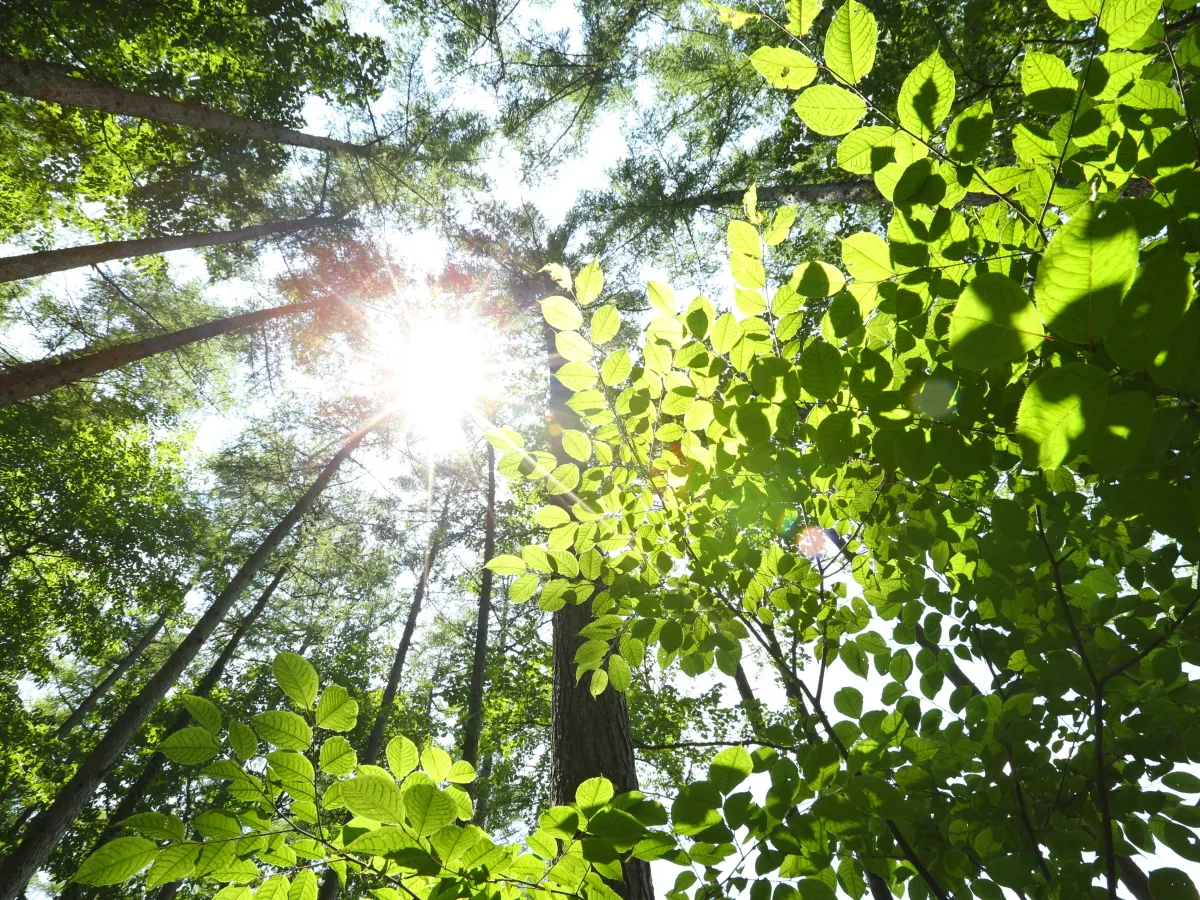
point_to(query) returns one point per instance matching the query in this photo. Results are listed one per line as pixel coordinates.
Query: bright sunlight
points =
(442, 373)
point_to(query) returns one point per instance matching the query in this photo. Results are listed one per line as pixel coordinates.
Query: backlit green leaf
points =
(374, 797)
(926, 95)
(283, 729)
(298, 679)
(993, 322)
(829, 109)
(1060, 412)
(117, 860)
(336, 711)
(561, 313)
(784, 67)
(189, 746)
(850, 42)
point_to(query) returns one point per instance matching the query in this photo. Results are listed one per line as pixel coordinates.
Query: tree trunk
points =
(114, 676)
(129, 803)
(375, 743)
(854, 191)
(40, 81)
(45, 831)
(31, 265)
(474, 724)
(589, 735)
(31, 379)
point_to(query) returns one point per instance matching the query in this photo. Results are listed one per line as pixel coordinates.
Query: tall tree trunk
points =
(589, 735)
(44, 832)
(474, 723)
(31, 265)
(40, 81)
(31, 379)
(137, 791)
(114, 676)
(854, 191)
(375, 742)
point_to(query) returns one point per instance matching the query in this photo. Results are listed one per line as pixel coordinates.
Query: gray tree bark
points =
(41, 81)
(44, 262)
(98, 692)
(32, 379)
(47, 829)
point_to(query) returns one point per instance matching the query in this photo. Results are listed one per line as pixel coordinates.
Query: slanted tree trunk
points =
(31, 379)
(386, 704)
(98, 692)
(41, 81)
(589, 735)
(137, 791)
(44, 832)
(474, 723)
(31, 265)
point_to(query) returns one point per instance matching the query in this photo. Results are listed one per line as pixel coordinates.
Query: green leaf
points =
(577, 445)
(970, 132)
(926, 95)
(598, 682)
(577, 376)
(1047, 82)
(337, 756)
(436, 762)
(849, 702)
(382, 841)
(561, 822)
(243, 740)
(867, 257)
(462, 772)
(1125, 21)
(1148, 319)
(558, 273)
(551, 516)
(283, 729)
(616, 367)
(784, 67)
(1085, 272)
(1060, 412)
(172, 864)
(850, 42)
(729, 768)
(573, 346)
(276, 887)
(504, 439)
(506, 564)
(801, 15)
(725, 333)
(216, 824)
(523, 588)
(1172, 884)
(374, 797)
(592, 795)
(662, 298)
(189, 746)
(561, 313)
(699, 317)
(1079, 10)
(1122, 433)
(204, 711)
(816, 279)
(428, 808)
(868, 149)
(620, 676)
(156, 825)
(589, 282)
(828, 109)
(336, 711)
(298, 679)
(821, 370)
(606, 322)
(993, 322)
(873, 795)
(452, 842)
(117, 860)
(402, 754)
(304, 886)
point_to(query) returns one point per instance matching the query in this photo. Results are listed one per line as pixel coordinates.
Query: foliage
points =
(388, 830)
(993, 395)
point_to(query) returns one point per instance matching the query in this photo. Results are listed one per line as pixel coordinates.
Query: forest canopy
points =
(593, 450)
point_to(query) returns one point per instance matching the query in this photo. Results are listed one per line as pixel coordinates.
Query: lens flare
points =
(811, 542)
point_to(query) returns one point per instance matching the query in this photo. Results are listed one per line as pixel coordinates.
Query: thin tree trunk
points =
(31, 265)
(44, 832)
(31, 379)
(483, 791)
(375, 743)
(138, 790)
(41, 81)
(474, 724)
(114, 676)
(589, 735)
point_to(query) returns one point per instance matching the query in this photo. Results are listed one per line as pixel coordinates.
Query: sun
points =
(442, 375)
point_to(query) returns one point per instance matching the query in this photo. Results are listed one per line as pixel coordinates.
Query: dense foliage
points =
(931, 473)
